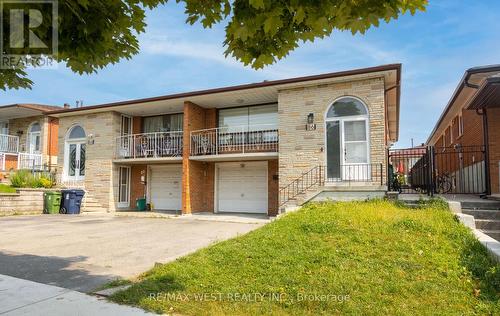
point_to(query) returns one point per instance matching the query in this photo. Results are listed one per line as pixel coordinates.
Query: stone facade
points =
(101, 176)
(301, 150)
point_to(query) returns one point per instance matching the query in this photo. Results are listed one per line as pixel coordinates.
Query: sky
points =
(435, 48)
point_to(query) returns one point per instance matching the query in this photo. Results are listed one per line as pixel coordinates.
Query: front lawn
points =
(347, 258)
(6, 188)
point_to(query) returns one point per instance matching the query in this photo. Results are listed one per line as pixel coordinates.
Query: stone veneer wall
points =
(301, 150)
(99, 171)
(25, 201)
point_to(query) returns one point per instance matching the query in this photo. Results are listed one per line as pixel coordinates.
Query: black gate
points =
(438, 170)
(459, 170)
(410, 170)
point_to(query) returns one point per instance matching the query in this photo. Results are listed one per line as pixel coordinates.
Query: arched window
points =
(347, 106)
(76, 132)
(34, 138)
(347, 140)
(74, 153)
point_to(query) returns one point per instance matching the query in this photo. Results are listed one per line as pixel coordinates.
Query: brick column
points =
(193, 172)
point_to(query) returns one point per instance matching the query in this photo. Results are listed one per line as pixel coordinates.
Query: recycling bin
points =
(140, 204)
(71, 201)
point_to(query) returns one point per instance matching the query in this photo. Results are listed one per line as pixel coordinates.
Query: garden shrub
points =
(25, 179)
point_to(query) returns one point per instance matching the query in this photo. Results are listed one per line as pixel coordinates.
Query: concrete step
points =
(495, 234)
(325, 195)
(487, 224)
(481, 205)
(483, 214)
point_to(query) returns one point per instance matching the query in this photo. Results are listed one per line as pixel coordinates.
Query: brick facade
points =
(494, 148)
(301, 150)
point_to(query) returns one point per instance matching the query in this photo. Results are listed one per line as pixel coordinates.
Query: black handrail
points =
(319, 175)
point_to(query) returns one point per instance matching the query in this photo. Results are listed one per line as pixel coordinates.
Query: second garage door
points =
(165, 187)
(242, 187)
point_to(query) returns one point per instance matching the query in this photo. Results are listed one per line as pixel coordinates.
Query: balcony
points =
(9, 143)
(257, 141)
(30, 161)
(161, 146)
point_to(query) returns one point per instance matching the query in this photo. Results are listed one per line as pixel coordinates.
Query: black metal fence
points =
(438, 170)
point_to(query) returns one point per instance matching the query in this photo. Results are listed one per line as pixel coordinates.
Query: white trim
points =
(341, 120)
(29, 138)
(67, 143)
(129, 127)
(124, 204)
(216, 179)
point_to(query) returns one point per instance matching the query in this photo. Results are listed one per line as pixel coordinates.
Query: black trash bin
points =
(71, 201)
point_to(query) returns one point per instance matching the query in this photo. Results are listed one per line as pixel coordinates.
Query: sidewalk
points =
(22, 297)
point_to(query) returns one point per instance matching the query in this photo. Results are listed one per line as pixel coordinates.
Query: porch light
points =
(310, 126)
(310, 118)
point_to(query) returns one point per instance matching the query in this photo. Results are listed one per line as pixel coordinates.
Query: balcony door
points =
(75, 154)
(347, 142)
(34, 138)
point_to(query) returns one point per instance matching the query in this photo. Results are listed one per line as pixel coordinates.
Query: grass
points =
(365, 258)
(115, 283)
(4, 188)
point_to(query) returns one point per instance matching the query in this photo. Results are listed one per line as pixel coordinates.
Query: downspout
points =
(484, 114)
(486, 142)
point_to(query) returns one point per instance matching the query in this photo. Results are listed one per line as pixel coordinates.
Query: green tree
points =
(96, 33)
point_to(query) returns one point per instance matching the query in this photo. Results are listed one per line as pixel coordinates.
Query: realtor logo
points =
(28, 34)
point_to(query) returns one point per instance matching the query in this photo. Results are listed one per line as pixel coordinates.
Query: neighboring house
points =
(28, 137)
(467, 134)
(250, 148)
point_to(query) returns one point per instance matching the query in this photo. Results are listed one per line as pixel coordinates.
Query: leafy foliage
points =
(261, 31)
(25, 179)
(94, 34)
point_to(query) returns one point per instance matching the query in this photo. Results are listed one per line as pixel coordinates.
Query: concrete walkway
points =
(22, 297)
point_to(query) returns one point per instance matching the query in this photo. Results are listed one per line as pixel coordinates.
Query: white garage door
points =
(166, 187)
(242, 187)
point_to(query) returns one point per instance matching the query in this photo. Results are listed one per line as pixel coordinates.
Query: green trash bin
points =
(51, 202)
(140, 204)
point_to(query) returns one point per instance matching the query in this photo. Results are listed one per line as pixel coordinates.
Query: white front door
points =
(347, 153)
(165, 186)
(242, 187)
(75, 157)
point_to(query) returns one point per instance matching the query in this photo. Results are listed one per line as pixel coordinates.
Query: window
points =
(451, 133)
(124, 187)
(163, 123)
(346, 107)
(4, 128)
(252, 118)
(460, 125)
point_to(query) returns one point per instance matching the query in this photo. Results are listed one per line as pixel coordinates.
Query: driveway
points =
(86, 251)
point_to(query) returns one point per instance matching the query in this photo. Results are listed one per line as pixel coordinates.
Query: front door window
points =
(333, 146)
(76, 161)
